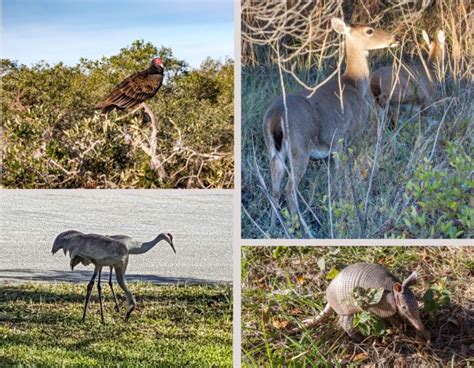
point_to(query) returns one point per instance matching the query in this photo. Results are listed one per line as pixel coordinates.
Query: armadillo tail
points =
(311, 322)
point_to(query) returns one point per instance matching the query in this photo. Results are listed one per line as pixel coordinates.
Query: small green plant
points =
(368, 324)
(293, 224)
(436, 297)
(367, 297)
(440, 199)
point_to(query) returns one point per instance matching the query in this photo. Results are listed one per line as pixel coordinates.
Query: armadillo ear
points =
(339, 26)
(425, 37)
(397, 287)
(410, 280)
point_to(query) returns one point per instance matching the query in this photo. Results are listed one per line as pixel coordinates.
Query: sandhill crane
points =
(105, 251)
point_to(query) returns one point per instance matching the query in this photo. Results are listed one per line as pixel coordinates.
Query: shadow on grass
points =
(22, 303)
(25, 275)
(198, 300)
(452, 332)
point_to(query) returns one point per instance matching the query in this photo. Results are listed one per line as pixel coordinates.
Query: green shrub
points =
(53, 137)
(440, 198)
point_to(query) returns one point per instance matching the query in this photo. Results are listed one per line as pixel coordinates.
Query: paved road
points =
(201, 224)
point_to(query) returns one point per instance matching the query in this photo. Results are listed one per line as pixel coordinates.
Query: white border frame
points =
(236, 291)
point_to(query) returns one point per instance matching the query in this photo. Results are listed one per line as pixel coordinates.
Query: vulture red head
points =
(157, 62)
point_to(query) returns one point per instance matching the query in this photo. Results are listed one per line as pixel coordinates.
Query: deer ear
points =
(397, 287)
(339, 26)
(410, 280)
(441, 36)
(425, 37)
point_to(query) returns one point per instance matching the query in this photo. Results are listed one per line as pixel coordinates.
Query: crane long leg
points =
(99, 289)
(120, 276)
(117, 309)
(88, 295)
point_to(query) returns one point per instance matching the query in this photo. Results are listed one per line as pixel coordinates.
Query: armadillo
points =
(395, 298)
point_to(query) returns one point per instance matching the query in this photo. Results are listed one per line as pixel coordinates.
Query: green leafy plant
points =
(292, 222)
(368, 324)
(436, 297)
(440, 198)
(367, 297)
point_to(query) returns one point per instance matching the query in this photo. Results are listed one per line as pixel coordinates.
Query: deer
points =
(414, 85)
(303, 125)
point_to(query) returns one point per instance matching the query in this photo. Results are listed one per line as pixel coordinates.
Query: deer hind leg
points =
(299, 160)
(347, 323)
(277, 168)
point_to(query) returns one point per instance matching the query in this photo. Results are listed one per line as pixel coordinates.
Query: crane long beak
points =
(172, 247)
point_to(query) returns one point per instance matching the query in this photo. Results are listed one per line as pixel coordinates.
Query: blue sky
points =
(65, 30)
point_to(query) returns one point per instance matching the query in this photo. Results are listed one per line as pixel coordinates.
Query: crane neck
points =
(139, 248)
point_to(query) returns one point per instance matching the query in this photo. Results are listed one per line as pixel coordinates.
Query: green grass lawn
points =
(282, 286)
(174, 326)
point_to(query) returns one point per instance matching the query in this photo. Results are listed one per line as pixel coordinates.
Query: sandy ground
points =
(201, 223)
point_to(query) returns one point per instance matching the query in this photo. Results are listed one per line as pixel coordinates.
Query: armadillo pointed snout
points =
(425, 334)
(421, 330)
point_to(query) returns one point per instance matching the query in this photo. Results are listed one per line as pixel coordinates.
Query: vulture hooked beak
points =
(158, 62)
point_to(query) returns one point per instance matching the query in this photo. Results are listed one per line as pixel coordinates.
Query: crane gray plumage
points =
(397, 298)
(112, 251)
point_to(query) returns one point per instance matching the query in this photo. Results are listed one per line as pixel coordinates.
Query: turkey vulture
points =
(132, 91)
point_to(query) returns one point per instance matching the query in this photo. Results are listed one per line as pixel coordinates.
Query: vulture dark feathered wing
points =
(132, 91)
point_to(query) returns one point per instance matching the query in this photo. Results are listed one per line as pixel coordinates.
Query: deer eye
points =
(369, 31)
